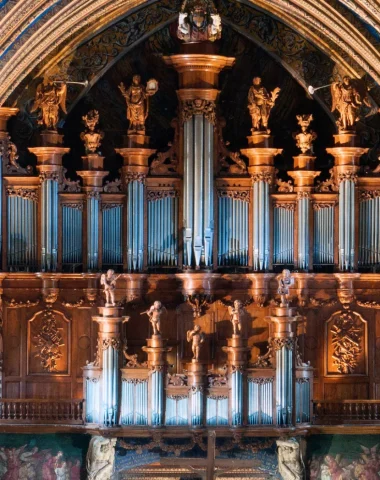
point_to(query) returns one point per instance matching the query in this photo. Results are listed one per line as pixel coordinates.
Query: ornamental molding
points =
(198, 106)
(285, 206)
(55, 176)
(279, 343)
(303, 195)
(321, 206)
(134, 177)
(110, 206)
(347, 176)
(135, 381)
(242, 195)
(75, 206)
(266, 177)
(260, 380)
(112, 342)
(155, 195)
(28, 304)
(368, 195)
(26, 193)
(93, 195)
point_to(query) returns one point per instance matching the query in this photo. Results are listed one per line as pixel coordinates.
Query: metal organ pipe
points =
(346, 224)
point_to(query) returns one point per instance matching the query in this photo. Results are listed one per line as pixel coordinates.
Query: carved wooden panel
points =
(49, 343)
(346, 339)
(12, 343)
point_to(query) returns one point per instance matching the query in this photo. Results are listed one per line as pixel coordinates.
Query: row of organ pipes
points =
(196, 206)
(274, 390)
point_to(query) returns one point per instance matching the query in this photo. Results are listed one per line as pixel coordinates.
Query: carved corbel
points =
(135, 287)
(50, 290)
(345, 291)
(198, 303)
(260, 287)
(302, 289)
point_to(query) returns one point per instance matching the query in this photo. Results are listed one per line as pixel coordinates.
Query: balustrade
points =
(41, 411)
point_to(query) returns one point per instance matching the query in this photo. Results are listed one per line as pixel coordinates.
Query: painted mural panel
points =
(48, 457)
(343, 457)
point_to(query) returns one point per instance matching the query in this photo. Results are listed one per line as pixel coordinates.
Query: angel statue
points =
(260, 104)
(108, 280)
(197, 338)
(137, 97)
(346, 100)
(236, 312)
(49, 97)
(154, 313)
(285, 280)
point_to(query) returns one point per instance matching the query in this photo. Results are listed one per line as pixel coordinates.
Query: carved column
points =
(157, 350)
(283, 322)
(107, 361)
(347, 155)
(134, 172)
(261, 168)
(303, 176)
(5, 114)
(198, 78)
(237, 352)
(49, 165)
(93, 175)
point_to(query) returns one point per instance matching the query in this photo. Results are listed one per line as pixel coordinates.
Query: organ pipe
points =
(260, 225)
(112, 250)
(72, 234)
(283, 249)
(323, 234)
(135, 225)
(49, 223)
(346, 225)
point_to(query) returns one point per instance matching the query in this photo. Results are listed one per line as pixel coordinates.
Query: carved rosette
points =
(198, 107)
(243, 196)
(26, 193)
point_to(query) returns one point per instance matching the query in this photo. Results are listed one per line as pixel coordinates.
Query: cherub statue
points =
(91, 138)
(346, 100)
(137, 103)
(198, 21)
(305, 138)
(260, 104)
(154, 313)
(197, 338)
(285, 280)
(49, 97)
(100, 458)
(108, 280)
(290, 464)
(236, 312)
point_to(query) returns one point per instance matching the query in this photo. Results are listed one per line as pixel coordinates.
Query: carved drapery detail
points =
(285, 206)
(244, 196)
(26, 193)
(346, 342)
(198, 107)
(154, 195)
(48, 342)
(266, 177)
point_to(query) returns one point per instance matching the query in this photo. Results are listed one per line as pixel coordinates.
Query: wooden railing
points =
(346, 412)
(41, 411)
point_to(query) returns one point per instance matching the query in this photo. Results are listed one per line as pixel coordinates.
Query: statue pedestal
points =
(260, 140)
(93, 161)
(51, 138)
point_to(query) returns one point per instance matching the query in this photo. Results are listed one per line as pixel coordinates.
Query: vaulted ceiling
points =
(38, 35)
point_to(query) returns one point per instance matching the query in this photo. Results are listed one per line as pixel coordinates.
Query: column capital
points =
(5, 114)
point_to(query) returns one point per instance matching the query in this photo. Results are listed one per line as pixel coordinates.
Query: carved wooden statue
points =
(236, 312)
(197, 338)
(346, 100)
(91, 138)
(100, 458)
(285, 280)
(154, 314)
(108, 281)
(260, 104)
(50, 97)
(306, 137)
(290, 465)
(137, 103)
(198, 21)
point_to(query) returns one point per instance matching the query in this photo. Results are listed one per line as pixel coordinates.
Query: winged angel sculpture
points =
(49, 97)
(346, 99)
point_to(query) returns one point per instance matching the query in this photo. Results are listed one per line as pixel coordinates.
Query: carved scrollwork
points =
(260, 380)
(96, 361)
(93, 194)
(75, 206)
(368, 304)
(198, 302)
(135, 381)
(8, 150)
(303, 195)
(285, 206)
(134, 177)
(218, 397)
(347, 176)
(110, 206)
(328, 185)
(243, 196)
(48, 342)
(219, 380)
(154, 195)
(177, 380)
(66, 184)
(265, 361)
(284, 187)
(266, 177)
(55, 176)
(198, 106)
(320, 206)
(26, 193)
(76, 304)
(132, 361)
(368, 195)
(113, 187)
(319, 302)
(166, 163)
(279, 343)
(346, 342)
(28, 304)
(111, 342)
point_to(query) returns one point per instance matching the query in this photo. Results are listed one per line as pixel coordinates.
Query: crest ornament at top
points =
(199, 21)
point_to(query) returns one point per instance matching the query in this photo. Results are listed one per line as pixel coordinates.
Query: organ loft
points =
(189, 236)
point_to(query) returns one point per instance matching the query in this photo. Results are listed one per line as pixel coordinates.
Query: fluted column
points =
(261, 168)
(303, 176)
(134, 171)
(198, 78)
(5, 114)
(347, 155)
(157, 350)
(108, 362)
(283, 343)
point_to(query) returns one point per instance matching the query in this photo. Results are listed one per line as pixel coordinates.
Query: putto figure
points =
(49, 97)
(108, 280)
(289, 460)
(197, 338)
(199, 21)
(260, 104)
(285, 280)
(137, 98)
(236, 312)
(154, 314)
(305, 138)
(100, 458)
(91, 137)
(346, 100)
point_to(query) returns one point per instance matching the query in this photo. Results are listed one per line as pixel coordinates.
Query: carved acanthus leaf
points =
(48, 342)
(113, 187)
(346, 342)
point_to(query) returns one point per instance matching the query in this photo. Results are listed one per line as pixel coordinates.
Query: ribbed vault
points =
(33, 32)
